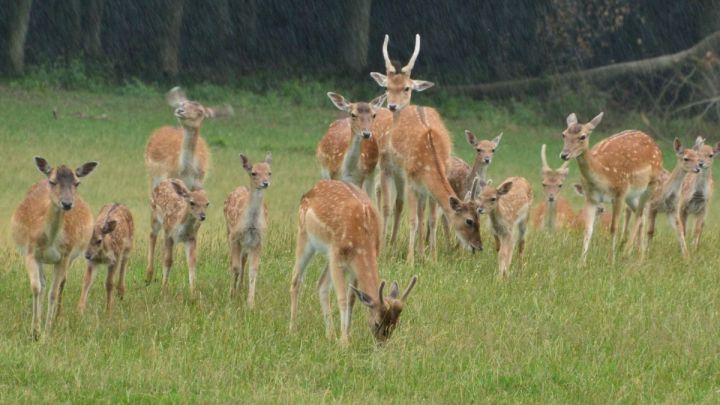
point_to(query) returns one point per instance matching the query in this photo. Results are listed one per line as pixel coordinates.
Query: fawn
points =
(246, 220)
(52, 225)
(461, 175)
(555, 211)
(339, 220)
(179, 212)
(110, 244)
(697, 189)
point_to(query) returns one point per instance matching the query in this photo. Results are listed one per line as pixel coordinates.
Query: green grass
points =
(554, 332)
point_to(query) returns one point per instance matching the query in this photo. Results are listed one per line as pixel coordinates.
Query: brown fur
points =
(339, 216)
(52, 225)
(697, 190)
(110, 244)
(461, 175)
(179, 212)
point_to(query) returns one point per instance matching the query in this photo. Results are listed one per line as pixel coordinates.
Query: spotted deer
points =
(339, 220)
(181, 153)
(246, 220)
(624, 168)
(508, 207)
(697, 190)
(461, 175)
(110, 244)
(349, 149)
(179, 212)
(554, 212)
(52, 225)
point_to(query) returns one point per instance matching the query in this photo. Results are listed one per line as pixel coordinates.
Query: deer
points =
(508, 207)
(339, 220)
(349, 150)
(555, 212)
(603, 214)
(179, 212)
(52, 225)
(697, 190)
(666, 197)
(461, 175)
(181, 153)
(398, 87)
(624, 168)
(246, 218)
(110, 244)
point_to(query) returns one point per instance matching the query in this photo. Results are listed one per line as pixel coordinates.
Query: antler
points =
(388, 65)
(544, 158)
(475, 188)
(407, 68)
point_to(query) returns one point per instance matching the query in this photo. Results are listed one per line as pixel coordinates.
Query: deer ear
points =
(380, 79)
(245, 162)
(339, 101)
(471, 139)
(497, 139)
(268, 158)
(455, 204)
(717, 148)
(394, 290)
(180, 189)
(363, 297)
(677, 146)
(109, 226)
(595, 121)
(175, 97)
(571, 119)
(378, 102)
(504, 188)
(85, 169)
(409, 288)
(579, 189)
(420, 85)
(43, 165)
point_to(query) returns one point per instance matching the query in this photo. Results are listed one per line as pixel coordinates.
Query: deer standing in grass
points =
(179, 212)
(349, 149)
(697, 189)
(339, 220)
(461, 175)
(246, 220)
(181, 153)
(398, 87)
(508, 207)
(110, 244)
(555, 212)
(52, 225)
(625, 167)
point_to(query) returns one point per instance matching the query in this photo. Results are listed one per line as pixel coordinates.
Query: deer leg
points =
(699, 225)
(303, 253)
(636, 236)
(590, 211)
(155, 229)
(121, 276)
(432, 227)
(87, 283)
(626, 225)
(341, 290)
(677, 226)
(54, 292)
(383, 197)
(109, 287)
(652, 217)
(168, 260)
(413, 201)
(191, 255)
(254, 257)
(34, 270)
(368, 184)
(522, 230)
(236, 268)
(324, 285)
(399, 202)
(505, 255)
(421, 202)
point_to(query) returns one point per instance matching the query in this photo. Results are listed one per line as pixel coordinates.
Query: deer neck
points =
(438, 184)
(674, 183)
(550, 215)
(254, 210)
(55, 219)
(586, 166)
(351, 161)
(702, 180)
(479, 169)
(189, 145)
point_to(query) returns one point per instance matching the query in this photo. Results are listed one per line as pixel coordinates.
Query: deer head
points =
(385, 313)
(688, 159)
(399, 86)
(706, 153)
(63, 181)
(484, 149)
(489, 196)
(362, 115)
(259, 173)
(96, 248)
(196, 200)
(576, 137)
(191, 114)
(552, 179)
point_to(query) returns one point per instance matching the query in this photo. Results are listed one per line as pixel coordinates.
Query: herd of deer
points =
(338, 218)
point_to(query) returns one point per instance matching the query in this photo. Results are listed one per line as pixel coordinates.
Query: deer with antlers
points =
(181, 153)
(625, 167)
(246, 220)
(349, 150)
(110, 244)
(555, 211)
(697, 189)
(338, 219)
(52, 225)
(508, 207)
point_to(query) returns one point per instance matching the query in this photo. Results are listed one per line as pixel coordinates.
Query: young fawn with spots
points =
(110, 244)
(246, 220)
(339, 220)
(349, 150)
(179, 212)
(461, 175)
(181, 153)
(624, 168)
(554, 212)
(508, 207)
(52, 225)
(697, 190)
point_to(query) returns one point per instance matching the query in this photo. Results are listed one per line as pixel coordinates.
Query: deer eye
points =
(559, 185)
(407, 89)
(353, 115)
(686, 159)
(544, 185)
(98, 242)
(77, 183)
(582, 137)
(192, 203)
(493, 150)
(253, 174)
(374, 115)
(207, 205)
(270, 174)
(470, 222)
(563, 136)
(52, 183)
(493, 199)
(478, 150)
(711, 155)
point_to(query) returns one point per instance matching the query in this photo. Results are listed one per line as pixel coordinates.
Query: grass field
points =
(554, 332)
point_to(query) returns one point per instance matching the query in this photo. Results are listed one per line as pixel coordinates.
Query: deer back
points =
(420, 140)
(333, 146)
(162, 152)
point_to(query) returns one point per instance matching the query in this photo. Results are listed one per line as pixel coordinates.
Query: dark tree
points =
(355, 35)
(12, 40)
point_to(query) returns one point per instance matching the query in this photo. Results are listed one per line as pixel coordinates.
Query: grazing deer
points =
(181, 153)
(246, 220)
(349, 149)
(179, 212)
(398, 87)
(555, 211)
(110, 244)
(508, 207)
(622, 168)
(666, 197)
(338, 219)
(697, 189)
(461, 175)
(52, 225)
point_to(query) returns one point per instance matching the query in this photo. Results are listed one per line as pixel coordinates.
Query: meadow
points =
(553, 332)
